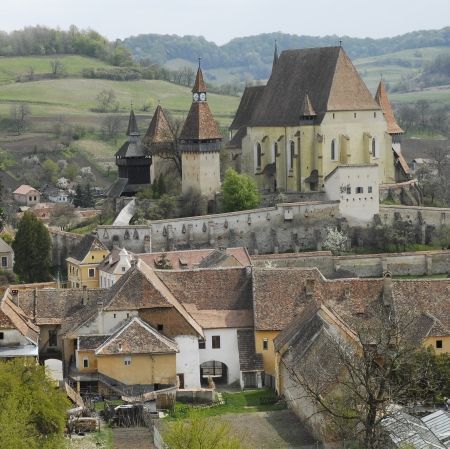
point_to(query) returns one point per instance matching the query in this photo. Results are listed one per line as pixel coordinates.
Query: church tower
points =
(199, 144)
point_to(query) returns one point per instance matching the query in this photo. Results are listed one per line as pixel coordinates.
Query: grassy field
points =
(11, 68)
(78, 96)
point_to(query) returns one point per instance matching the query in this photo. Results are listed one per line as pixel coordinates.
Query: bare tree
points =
(111, 126)
(106, 101)
(353, 378)
(57, 68)
(19, 113)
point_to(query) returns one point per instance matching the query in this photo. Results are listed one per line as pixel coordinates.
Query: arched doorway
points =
(218, 372)
(54, 368)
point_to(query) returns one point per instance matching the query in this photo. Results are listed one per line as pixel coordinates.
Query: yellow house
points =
(314, 114)
(83, 261)
(135, 355)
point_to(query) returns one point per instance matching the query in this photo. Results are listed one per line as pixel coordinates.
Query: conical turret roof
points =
(200, 123)
(199, 85)
(159, 130)
(132, 129)
(382, 99)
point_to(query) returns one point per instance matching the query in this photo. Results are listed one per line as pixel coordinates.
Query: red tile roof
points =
(382, 99)
(199, 85)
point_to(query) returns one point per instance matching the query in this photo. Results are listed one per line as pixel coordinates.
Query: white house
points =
(114, 266)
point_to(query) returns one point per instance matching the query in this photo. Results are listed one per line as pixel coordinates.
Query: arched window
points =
(333, 150)
(374, 148)
(291, 155)
(275, 151)
(258, 155)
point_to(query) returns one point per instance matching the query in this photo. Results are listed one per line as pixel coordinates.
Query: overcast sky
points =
(222, 20)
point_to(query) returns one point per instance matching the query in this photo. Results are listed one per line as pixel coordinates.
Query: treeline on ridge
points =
(43, 41)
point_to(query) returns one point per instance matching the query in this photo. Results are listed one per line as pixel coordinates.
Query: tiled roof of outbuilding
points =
(137, 337)
(249, 360)
(210, 289)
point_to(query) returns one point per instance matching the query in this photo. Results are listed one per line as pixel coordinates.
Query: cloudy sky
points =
(221, 20)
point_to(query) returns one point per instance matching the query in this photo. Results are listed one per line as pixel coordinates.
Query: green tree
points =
(71, 171)
(239, 192)
(33, 411)
(201, 433)
(51, 169)
(31, 250)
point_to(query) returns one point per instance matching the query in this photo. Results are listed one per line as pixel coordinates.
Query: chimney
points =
(309, 288)
(85, 297)
(387, 289)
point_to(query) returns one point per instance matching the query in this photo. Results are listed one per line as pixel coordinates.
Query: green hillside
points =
(13, 67)
(78, 96)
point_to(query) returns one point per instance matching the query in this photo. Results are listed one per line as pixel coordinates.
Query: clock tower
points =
(200, 143)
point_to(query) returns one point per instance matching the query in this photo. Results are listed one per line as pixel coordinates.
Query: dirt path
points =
(132, 438)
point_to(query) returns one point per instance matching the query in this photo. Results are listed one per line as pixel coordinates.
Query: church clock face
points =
(203, 96)
(196, 96)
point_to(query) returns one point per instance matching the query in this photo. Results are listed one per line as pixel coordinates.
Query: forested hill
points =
(254, 53)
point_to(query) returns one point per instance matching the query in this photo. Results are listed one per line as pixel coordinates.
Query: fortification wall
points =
(285, 227)
(371, 265)
(431, 216)
(62, 243)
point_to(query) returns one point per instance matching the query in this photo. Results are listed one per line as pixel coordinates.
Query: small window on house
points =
(85, 363)
(349, 190)
(374, 115)
(30, 198)
(359, 190)
(354, 115)
(369, 189)
(92, 257)
(127, 361)
(123, 268)
(4, 261)
(439, 344)
(91, 272)
(52, 338)
(2, 336)
(128, 315)
(114, 315)
(160, 327)
(216, 341)
(265, 344)
(334, 115)
(201, 343)
(34, 198)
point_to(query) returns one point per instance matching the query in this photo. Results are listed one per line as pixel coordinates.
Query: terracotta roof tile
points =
(199, 84)
(91, 342)
(249, 360)
(200, 123)
(192, 258)
(382, 99)
(159, 130)
(24, 189)
(137, 337)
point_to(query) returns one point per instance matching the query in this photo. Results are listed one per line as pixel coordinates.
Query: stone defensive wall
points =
(420, 215)
(62, 243)
(284, 227)
(423, 263)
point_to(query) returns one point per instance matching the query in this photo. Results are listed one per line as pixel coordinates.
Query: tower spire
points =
(275, 55)
(132, 129)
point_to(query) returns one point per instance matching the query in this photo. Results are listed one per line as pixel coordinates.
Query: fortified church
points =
(314, 115)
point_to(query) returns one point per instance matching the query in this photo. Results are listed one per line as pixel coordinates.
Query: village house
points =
(6, 256)
(27, 195)
(83, 261)
(112, 267)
